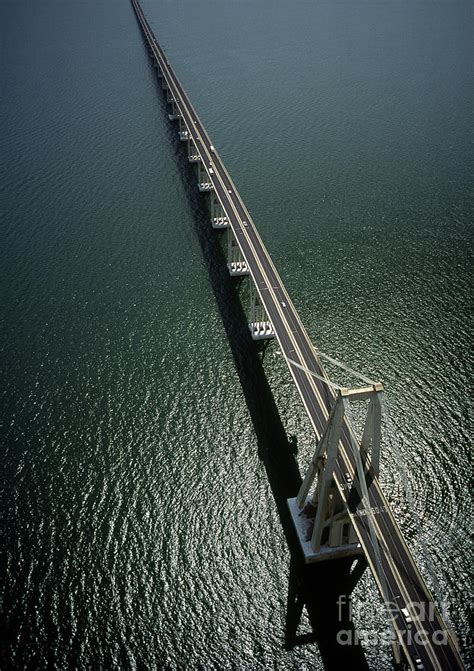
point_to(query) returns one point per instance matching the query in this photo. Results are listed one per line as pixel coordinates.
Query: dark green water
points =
(141, 494)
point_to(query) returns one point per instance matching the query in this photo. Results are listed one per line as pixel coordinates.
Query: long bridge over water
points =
(347, 513)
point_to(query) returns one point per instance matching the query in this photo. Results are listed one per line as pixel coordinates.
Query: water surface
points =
(140, 509)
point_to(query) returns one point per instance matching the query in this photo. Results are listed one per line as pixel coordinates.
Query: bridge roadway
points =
(396, 574)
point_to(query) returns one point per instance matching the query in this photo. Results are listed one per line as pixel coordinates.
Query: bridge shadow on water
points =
(319, 588)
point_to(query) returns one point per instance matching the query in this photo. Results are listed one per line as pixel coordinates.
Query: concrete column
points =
(174, 115)
(334, 434)
(372, 435)
(236, 262)
(193, 154)
(204, 181)
(183, 131)
(218, 215)
(260, 326)
(314, 466)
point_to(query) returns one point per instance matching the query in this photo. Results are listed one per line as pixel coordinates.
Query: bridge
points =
(346, 512)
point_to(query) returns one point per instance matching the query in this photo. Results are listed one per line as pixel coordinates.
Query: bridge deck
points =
(398, 579)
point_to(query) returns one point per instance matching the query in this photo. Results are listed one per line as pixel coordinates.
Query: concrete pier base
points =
(304, 526)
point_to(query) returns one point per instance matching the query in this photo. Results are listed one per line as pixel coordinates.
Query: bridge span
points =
(420, 632)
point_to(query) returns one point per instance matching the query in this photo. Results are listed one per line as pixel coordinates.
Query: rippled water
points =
(146, 460)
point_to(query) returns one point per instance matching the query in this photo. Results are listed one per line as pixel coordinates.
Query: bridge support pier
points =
(236, 262)
(193, 154)
(183, 131)
(321, 520)
(174, 115)
(260, 326)
(204, 181)
(218, 215)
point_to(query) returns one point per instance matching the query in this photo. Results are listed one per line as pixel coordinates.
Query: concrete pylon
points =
(321, 519)
(204, 179)
(174, 114)
(193, 154)
(260, 326)
(183, 129)
(236, 262)
(218, 214)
